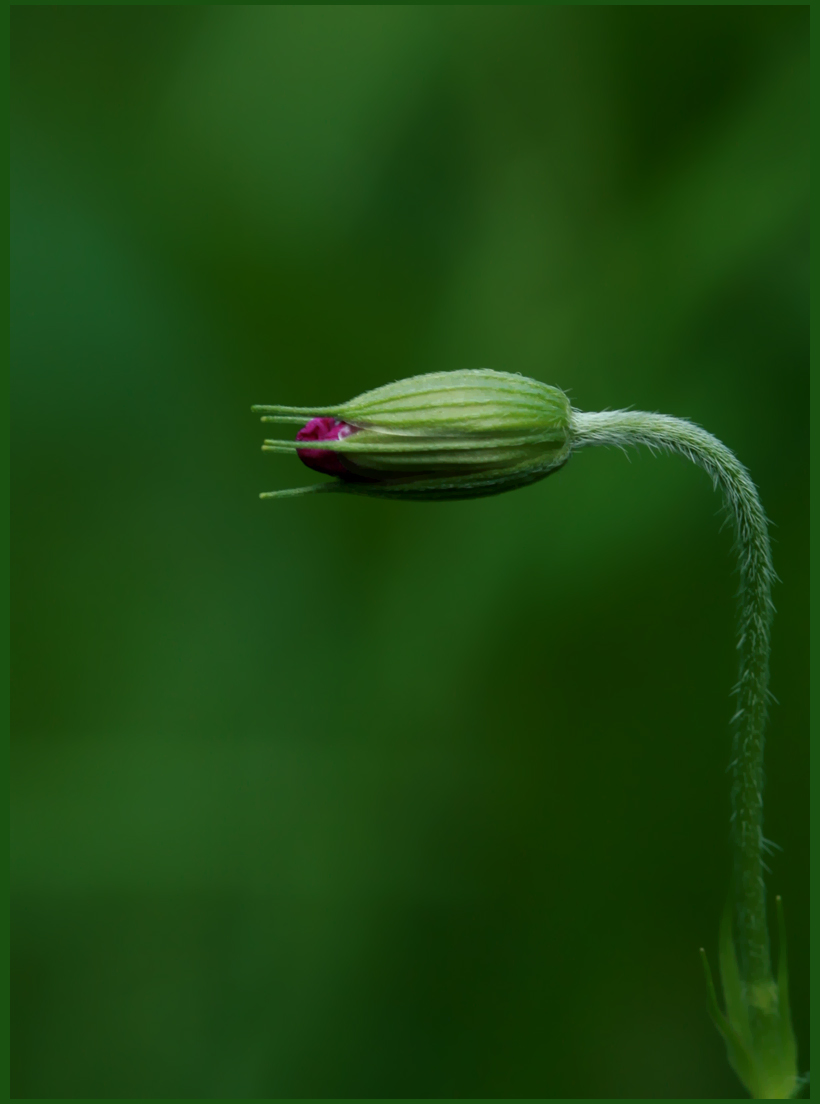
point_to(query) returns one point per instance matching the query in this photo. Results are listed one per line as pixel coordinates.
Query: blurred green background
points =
(338, 797)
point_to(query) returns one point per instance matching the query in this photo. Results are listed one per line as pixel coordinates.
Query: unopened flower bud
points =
(443, 435)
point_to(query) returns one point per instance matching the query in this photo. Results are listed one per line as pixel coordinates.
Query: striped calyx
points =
(442, 435)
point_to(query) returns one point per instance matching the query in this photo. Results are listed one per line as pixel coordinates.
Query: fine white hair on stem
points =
(659, 432)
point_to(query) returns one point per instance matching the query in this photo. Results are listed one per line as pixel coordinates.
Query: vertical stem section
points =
(659, 432)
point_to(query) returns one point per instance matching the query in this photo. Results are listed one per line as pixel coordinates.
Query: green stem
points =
(659, 432)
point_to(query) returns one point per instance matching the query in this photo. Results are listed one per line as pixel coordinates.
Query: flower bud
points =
(443, 435)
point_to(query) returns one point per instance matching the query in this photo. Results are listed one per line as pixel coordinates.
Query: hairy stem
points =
(657, 431)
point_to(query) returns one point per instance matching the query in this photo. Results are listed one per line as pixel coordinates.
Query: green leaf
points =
(787, 1039)
(736, 1010)
(737, 1050)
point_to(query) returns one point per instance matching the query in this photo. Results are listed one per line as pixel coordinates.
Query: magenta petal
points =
(323, 429)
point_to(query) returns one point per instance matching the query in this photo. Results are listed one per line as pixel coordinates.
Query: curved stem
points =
(657, 431)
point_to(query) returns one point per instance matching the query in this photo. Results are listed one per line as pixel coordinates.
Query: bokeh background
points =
(338, 797)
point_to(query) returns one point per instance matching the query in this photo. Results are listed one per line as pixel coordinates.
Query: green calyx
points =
(443, 435)
(455, 404)
(756, 1024)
